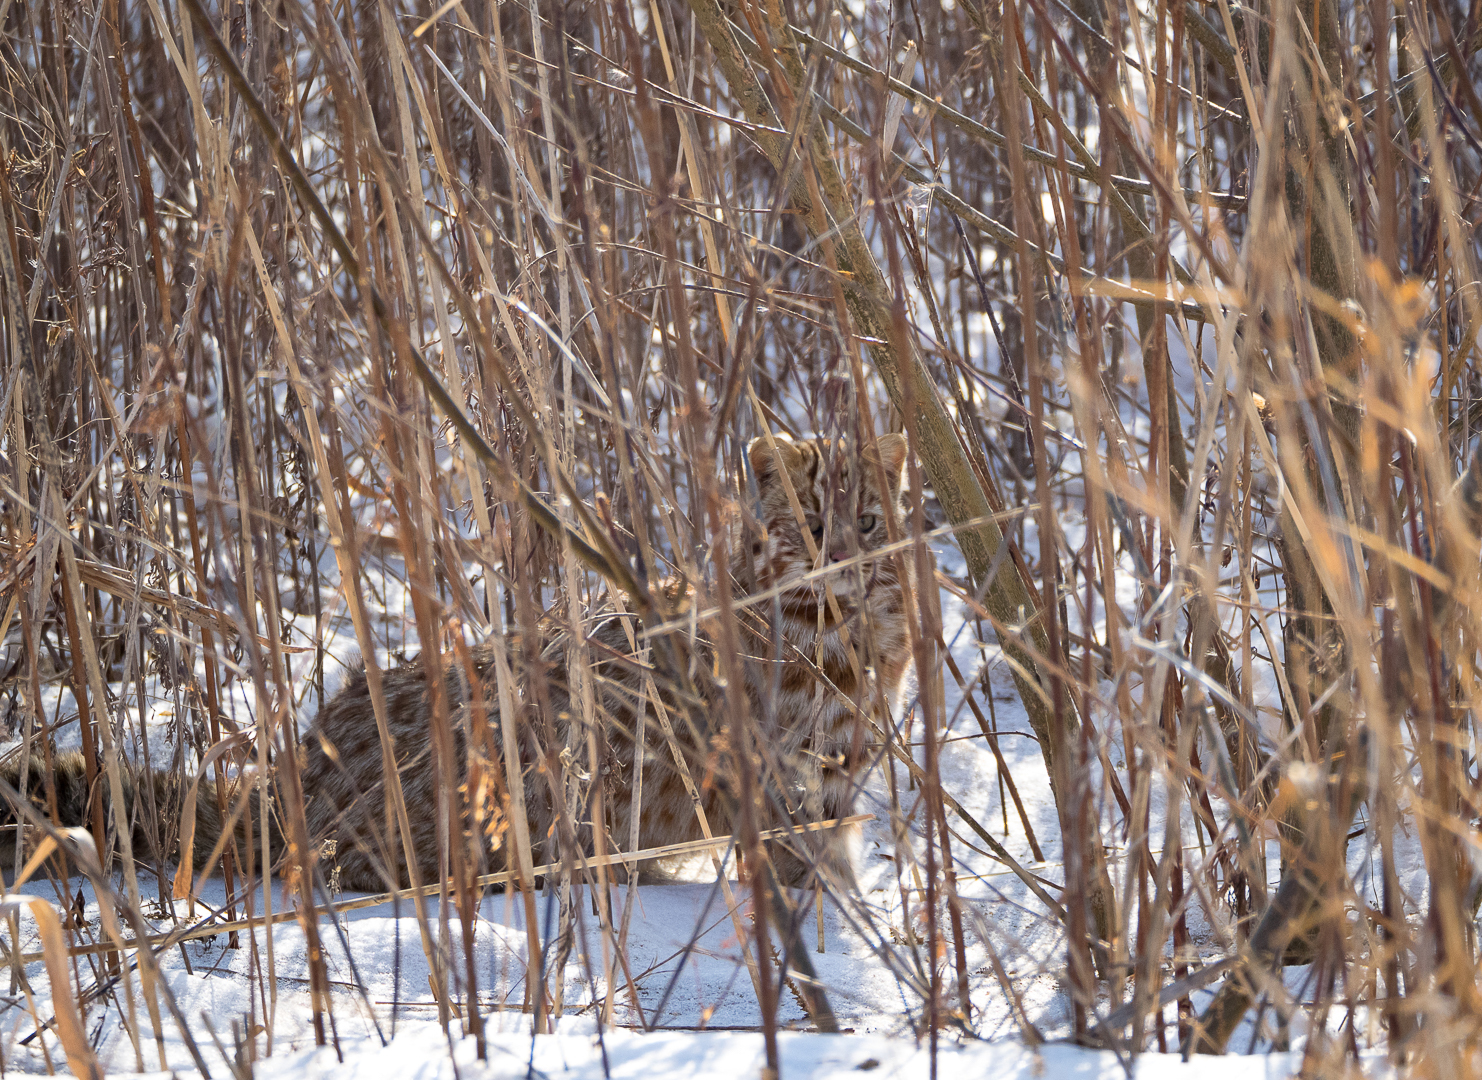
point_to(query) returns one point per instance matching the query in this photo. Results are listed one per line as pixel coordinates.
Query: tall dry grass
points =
(312, 307)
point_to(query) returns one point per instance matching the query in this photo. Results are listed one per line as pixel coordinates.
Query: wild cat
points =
(811, 670)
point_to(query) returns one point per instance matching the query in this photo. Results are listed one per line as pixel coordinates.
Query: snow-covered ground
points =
(686, 975)
(685, 965)
(685, 961)
(580, 1054)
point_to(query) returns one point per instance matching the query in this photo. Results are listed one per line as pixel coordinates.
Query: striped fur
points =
(845, 512)
(69, 777)
(812, 748)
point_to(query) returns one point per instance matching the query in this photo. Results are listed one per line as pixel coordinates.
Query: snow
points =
(422, 1054)
(685, 960)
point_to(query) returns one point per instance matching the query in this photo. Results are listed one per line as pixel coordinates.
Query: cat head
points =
(845, 510)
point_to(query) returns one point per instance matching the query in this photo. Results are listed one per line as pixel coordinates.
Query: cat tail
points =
(202, 820)
(69, 775)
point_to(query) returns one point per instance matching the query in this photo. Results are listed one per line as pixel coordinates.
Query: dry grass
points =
(497, 294)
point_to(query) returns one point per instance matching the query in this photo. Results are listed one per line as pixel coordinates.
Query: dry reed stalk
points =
(637, 235)
(80, 1057)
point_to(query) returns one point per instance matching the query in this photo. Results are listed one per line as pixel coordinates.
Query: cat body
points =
(811, 670)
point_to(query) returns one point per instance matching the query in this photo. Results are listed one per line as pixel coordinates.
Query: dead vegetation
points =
(440, 319)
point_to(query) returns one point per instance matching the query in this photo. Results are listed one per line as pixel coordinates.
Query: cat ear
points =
(762, 460)
(892, 454)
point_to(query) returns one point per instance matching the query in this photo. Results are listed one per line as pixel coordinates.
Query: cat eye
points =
(816, 528)
(866, 522)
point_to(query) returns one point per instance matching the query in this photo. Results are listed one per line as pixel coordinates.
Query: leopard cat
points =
(811, 669)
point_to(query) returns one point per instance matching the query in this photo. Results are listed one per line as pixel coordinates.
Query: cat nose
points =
(838, 554)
